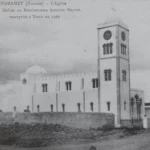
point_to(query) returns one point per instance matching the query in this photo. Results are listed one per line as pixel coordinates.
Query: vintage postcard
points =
(74, 74)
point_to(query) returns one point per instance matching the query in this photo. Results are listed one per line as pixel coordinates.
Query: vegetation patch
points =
(39, 135)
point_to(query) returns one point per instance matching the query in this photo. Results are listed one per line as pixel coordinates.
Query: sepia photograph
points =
(74, 75)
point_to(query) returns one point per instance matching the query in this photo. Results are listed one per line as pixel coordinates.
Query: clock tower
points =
(114, 69)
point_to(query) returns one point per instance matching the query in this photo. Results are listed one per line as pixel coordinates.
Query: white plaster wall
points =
(44, 100)
(70, 99)
(124, 90)
(108, 89)
(91, 96)
(26, 92)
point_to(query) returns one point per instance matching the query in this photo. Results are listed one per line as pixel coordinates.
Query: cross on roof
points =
(113, 9)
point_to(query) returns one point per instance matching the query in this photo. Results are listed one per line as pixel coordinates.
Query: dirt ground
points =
(56, 137)
(135, 142)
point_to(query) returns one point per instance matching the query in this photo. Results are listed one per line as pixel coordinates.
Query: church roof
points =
(36, 70)
(113, 21)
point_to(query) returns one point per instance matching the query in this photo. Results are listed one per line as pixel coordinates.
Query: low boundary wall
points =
(76, 120)
(132, 123)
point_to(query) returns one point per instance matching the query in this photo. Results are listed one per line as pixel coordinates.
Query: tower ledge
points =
(113, 21)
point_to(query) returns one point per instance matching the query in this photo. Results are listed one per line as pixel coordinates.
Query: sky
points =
(69, 44)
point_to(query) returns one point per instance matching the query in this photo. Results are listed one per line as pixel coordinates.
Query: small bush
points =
(107, 127)
(92, 148)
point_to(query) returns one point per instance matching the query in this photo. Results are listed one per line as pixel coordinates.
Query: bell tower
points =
(114, 69)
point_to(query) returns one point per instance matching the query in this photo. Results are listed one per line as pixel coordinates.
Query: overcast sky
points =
(69, 44)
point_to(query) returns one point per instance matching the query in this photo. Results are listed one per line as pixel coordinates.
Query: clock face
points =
(107, 35)
(123, 35)
(24, 81)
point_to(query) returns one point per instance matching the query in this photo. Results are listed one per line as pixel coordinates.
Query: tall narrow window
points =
(51, 107)
(108, 106)
(104, 49)
(38, 108)
(68, 85)
(123, 49)
(107, 74)
(108, 48)
(95, 82)
(125, 105)
(63, 107)
(124, 74)
(79, 107)
(91, 105)
(107, 45)
(44, 86)
(111, 44)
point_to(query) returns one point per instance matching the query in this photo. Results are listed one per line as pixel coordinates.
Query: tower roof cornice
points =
(113, 22)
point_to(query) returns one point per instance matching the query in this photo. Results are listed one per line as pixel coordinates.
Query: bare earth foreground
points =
(57, 137)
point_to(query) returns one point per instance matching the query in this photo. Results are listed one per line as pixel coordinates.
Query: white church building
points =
(84, 92)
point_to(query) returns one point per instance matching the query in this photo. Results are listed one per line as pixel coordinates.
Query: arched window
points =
(44, 86)
(123, 49)
(63, 107)
(104, 49)
(108, 48)
(107, 74)
(51, 107)
(79, 107)
(38, 108)
(108, 106)
(107, 45)
(92, 106)
(68, 85)
(125, 105)
(124, 75)
(111, 45)
(95, 82)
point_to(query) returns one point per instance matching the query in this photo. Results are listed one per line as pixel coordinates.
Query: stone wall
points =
(148, 121)
(132, 123)
(76, 120)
